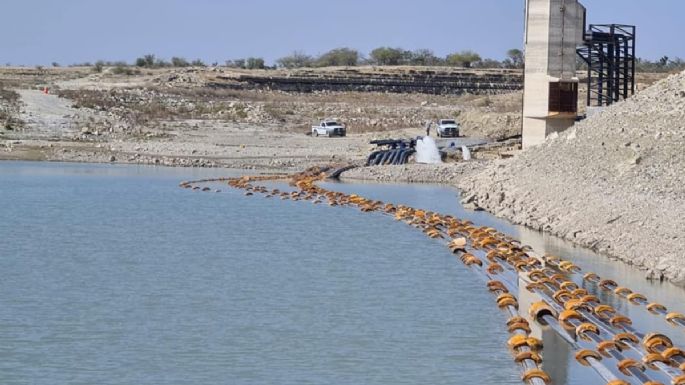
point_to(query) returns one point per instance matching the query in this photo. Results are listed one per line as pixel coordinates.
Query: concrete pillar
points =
(554, 28)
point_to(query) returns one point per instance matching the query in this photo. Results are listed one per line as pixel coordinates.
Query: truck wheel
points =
(316, 132)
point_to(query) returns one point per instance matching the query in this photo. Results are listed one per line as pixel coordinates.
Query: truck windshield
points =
(331, 123)
(449, 122)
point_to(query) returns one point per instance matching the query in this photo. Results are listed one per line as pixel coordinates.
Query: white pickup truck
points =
(329, 128)
(447, 128)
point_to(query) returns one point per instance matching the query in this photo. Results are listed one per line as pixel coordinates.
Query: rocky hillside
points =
(614, 182)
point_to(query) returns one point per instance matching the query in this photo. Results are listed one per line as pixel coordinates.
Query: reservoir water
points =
(114, 275)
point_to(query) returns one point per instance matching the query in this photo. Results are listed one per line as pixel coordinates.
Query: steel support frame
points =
(609, 52)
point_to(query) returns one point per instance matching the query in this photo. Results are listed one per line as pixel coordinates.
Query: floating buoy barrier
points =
(603, 339)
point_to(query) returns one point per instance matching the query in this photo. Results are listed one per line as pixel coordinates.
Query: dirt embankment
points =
(614, 182)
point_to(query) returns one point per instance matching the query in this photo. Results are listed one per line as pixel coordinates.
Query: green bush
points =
(198, 63)
(339, 57)
(179, 62)
(388, 56)
(462, 59)
(253, 63)
(124, 69)
(146, 61)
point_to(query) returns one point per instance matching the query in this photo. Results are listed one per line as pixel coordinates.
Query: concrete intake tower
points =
(553, 30)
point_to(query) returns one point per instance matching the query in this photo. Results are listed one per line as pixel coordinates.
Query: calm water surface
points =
(114, 275)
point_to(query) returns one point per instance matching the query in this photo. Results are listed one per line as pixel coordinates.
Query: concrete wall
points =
(554, 28)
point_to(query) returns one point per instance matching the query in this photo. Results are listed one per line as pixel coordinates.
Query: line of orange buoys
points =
(603, 339)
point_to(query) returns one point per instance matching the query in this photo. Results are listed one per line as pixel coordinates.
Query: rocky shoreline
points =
(446, 173)
(613, 183)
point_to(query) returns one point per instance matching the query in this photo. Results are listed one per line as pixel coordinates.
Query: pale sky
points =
(71, 31)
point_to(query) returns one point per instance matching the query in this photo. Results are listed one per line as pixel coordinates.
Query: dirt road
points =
(47, 116)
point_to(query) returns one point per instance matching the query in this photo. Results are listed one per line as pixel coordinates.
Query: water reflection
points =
(559, 358)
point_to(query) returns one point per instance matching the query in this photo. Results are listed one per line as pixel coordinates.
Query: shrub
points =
(160, 63)
(388, 56)
(462, 59)
(124, 69)
(240, 112)
(424, 57)
(295, 60)
(254, 63)
(146, 61)
(198, 63)
(338, 57)
(237, 63)
(179, 62)
(515, 55)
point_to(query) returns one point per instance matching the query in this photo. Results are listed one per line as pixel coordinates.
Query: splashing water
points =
(465, 153)
(427, 151)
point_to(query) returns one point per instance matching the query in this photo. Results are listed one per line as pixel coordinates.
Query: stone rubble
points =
(614, 182)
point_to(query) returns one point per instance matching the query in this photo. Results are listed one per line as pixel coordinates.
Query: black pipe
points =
(396, 158)
(371, 157)
(379, 158)
(406, 155)
(393, 155)
(385, 157)
(401, 157)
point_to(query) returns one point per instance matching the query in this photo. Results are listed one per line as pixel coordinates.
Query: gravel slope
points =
(47, 115)
(614, 182)
(446, 173)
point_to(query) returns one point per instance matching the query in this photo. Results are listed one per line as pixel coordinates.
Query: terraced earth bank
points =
(614, 182)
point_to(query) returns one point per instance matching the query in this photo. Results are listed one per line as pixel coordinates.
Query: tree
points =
(179, 62)
(237, 63)
(424, 57)
(253, 63)
(98, 66)
(516, 57)
(55, 64)
(160, 63)
(198, 63)
(338, 57)
(387, 56)
(295, 60)
(663, 61)
(462, 59)
(146, 61)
